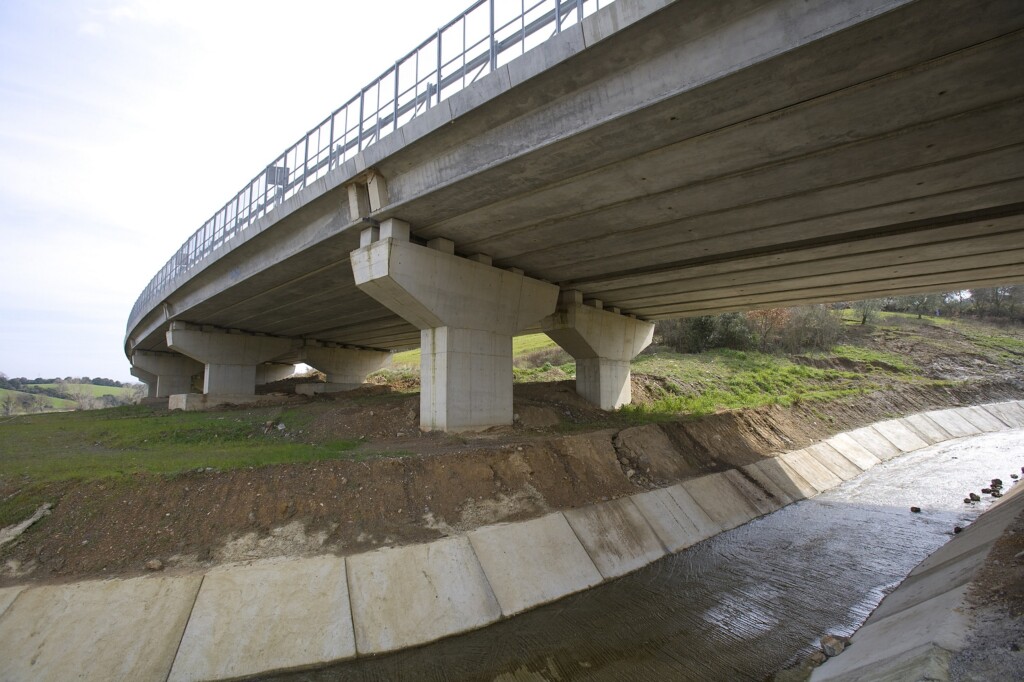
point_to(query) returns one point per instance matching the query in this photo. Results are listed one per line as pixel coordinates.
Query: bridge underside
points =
(713, 156)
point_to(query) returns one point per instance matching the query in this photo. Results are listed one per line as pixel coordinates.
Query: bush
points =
(812, 327)
(698, 334)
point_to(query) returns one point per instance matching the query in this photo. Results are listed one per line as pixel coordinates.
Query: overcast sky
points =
(125, 124)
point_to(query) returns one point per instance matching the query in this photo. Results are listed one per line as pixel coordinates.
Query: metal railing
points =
(487, 35)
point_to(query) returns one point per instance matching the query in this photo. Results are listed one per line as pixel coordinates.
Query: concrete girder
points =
(467, 312)
(230, 358)
(603, 343)
(173, 371)
(346, 368)
(147, 378)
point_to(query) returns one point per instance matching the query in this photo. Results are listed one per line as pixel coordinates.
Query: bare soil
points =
(405, 486)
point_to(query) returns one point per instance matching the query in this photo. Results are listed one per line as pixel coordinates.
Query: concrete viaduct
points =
(649, 159)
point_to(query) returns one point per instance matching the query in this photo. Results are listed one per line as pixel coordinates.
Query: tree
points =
(766, 324)
(8, 404)
(867, 309)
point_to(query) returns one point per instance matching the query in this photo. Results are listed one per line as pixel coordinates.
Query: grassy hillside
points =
(90, 390)
(50, 402)
(521, 345)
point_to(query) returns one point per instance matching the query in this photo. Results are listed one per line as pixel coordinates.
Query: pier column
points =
(173, 371)
(467, 311)
(603, 342)
(230, 357)
(346, 368)
(147, 378)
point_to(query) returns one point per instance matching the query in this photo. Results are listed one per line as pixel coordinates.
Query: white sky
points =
(125, 124)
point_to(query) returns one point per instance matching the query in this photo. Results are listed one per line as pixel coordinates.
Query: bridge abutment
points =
(147, 378)
(603, 342)
(231, 359)
(173, 372)
(467, 311)
(346, 368)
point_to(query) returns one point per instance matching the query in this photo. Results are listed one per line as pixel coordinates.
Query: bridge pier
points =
(467, 311)
(346, 368)
(173, 372)
(148, 379)
(231, 359)
(603, 342)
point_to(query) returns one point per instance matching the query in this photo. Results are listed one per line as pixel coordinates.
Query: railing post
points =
(394, 117)
(579, 11)
(438, 66)
(493, 45)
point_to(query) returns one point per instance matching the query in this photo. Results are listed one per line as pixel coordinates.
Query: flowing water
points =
(741, 605)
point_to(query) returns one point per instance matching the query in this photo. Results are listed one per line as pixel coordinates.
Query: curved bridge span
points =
(586, 168)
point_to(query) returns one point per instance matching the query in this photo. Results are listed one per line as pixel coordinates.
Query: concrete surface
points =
(721, 500)
(875, 442)
(811, 470)
(1009, 413)
(603, 343)
(759, 498)
(705, 524)
(926, 428)
(412, 595)
(834, 461)
(853, 451)
(343, 366)
(467, 312)
(173, 371)
(952, 423)
(204, 401)
(900, 435)
(786, 478)
(616, 536)
(669, 520)
(97, 630)
(8, 595)
(981, 419)
(533, 562)
(779, 486)
(268, 615)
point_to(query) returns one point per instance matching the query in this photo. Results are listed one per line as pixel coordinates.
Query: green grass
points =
(724, 379)
(868, 355)
(123, 441)
(91, 390)
(520, 346)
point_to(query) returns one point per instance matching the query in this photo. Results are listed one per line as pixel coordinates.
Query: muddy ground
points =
(558, 455)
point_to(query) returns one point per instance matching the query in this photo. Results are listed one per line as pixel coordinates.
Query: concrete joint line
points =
(177, 649)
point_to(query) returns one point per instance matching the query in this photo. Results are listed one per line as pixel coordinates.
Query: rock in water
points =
(975, 497)
(916, 510)
(832, 646)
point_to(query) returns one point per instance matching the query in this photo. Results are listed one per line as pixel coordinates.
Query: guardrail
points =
(487, 35)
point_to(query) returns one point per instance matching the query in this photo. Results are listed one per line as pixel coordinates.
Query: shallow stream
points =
(740, 606)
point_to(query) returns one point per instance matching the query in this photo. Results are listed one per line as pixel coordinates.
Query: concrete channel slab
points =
(953, 423)
(616, 536)
(876, 443)
(7, 597)
(981, 419)
(899, 435)
(811, 470)
(763, 501)
(758, 472)
(533, 562)
(853, 451)
(721, 500)
(926, 429)
(412, 595)
(97, 630)
(704, 523)
(669, 521)
(270, 615)
(1008, 413)
(834, 461)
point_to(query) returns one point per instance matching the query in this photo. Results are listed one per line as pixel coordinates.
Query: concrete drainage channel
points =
(302, 613)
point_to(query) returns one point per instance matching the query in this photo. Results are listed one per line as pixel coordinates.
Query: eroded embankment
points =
(427, 488)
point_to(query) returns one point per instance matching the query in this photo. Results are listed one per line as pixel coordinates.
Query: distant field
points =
(520, 346)
(53, 403)
(91, 389)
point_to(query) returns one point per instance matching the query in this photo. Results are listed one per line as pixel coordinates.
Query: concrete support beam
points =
(346, 368)
(230, 358)
(467, 312)
(269, 372)
(173, 371)
(603, 342)
(146, 378)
